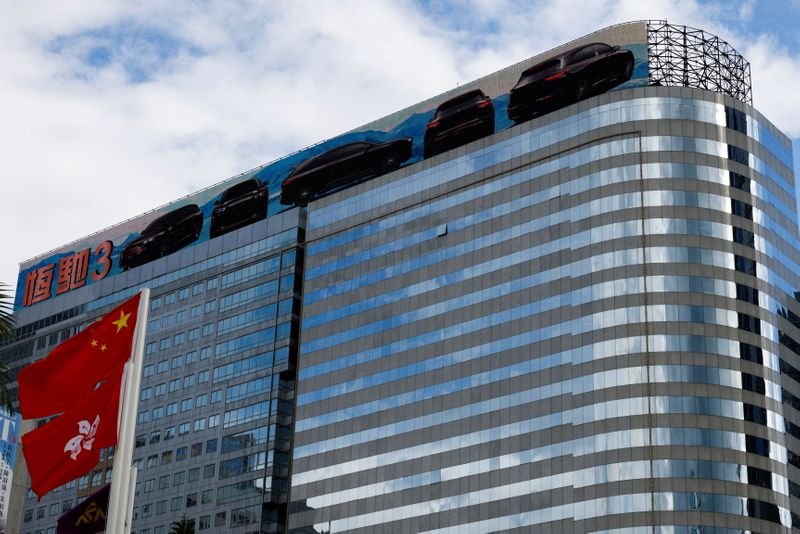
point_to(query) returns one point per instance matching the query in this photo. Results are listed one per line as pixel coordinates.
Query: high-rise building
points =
(562, 297)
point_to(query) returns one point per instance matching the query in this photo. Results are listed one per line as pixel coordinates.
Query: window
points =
(207, 496)
(186, 405)
(199, 424)
(194, 474)
(172, 408)
(196, 311)
(174, 385)
(197, 448)
(165, 343)
(158, 413)
(149, 485)
(188, 381)
(163, 365)
(152, 460)
(169, 299)
(178, 478)
(144, 416)
(211, 446)
(216, 396)
(55, 509)
(180, 454)
(181, 316)
(201, 400)
(152, 325)
(288, 259)
(205, 522)
(161, 507)
(146, 393)
(155, 436)
(179, 339)
(209, 470)
(205, 352)
(208, 329)
(160, 389)
(191, 500)
(211, 284)
(151, 347)
(175, 504)
(166, 321)
(194, 333)
(210, 306)
(155, 303)
(183, 293)
(148, 370)
(197, 289)
(177, 361)
(141, 440)
(213, 421)
(169, 433)
(220, 519)
(166, 457)
(285, 307)
(163, 482)
(183, 429)
(146, 509)
(202, 376)
(191, 357)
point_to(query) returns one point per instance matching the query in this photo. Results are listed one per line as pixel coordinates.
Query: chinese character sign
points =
(71, 271)
(9, 429)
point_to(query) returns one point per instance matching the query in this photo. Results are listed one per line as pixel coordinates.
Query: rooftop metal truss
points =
(688, 57)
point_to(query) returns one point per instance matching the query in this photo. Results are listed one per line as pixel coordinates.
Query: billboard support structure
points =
(687, 57)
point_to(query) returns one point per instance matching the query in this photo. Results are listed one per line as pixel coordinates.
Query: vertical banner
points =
(9, 433)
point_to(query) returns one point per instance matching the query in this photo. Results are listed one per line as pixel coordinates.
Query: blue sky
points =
(112, 108)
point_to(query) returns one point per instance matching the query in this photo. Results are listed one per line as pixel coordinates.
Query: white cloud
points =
(186, 96)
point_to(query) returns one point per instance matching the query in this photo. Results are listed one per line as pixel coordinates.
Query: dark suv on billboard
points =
(165, 235)
(458, 121)
(567, 78)
(239, 205)
(341, 166)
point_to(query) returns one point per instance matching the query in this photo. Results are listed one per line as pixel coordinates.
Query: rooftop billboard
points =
(610, 59)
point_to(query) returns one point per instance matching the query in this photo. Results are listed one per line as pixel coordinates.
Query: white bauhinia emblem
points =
(84, 439)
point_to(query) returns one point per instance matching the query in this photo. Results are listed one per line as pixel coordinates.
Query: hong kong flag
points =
(72, 370)
(69, 446)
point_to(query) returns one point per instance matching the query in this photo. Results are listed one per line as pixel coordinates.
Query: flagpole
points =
(123, 457)
(131, 496)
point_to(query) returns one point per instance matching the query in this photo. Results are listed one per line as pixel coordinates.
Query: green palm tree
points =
(184, 526)
(6, 331)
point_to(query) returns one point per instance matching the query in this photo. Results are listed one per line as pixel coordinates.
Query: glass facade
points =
(213, 429)
(584, 324)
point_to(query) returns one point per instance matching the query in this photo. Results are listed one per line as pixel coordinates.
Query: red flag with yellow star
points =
(72, 370)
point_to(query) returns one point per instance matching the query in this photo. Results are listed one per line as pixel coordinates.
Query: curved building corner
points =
(587, 322)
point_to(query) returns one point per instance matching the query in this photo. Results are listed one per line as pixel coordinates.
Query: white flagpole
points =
(121, 493)
(131, 496)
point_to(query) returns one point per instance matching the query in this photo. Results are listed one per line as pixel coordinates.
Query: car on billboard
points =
(165, 235)
(341, 166)
(567, 78)
(458, 121)
(239, 205)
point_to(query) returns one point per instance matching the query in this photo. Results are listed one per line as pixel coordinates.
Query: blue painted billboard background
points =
(410, 122)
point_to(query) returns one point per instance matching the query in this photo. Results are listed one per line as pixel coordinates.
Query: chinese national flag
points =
(72, 370)
(69, 446)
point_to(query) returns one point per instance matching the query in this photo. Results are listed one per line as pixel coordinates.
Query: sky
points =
(112, 108)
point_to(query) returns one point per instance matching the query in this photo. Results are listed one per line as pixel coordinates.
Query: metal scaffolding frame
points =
(688, 57)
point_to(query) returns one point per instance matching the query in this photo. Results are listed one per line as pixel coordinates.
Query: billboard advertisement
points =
(9, 433)
(611, 59)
